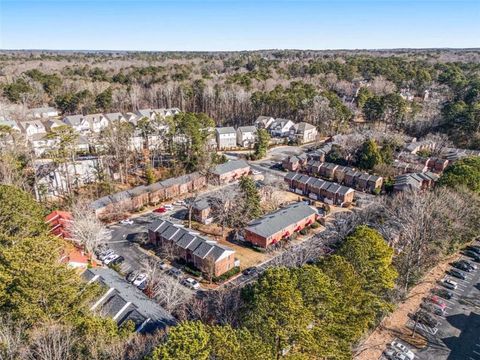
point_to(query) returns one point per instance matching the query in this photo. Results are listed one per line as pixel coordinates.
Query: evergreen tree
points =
(369, 155)
(251, 196)
(261, 143)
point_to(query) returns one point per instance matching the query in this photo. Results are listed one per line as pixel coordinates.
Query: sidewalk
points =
(394, 324)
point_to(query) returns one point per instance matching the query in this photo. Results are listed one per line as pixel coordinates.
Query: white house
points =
(281, 127)
(41, 143)
(163, 113)
(263, 122)
(304, 132)
(150, 114)
(33, 127)
(97, 122)
(246, 135)
(51, 124)
(78, 122)
(5, 121)
(226, 137)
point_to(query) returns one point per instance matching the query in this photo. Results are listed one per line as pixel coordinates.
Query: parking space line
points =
(449, 301)
(476, 352)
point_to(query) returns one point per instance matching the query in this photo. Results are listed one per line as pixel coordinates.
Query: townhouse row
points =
(318, 189)
(144, 195)
(207, 256)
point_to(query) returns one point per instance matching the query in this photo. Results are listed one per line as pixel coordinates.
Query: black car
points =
(468, 264)
(250, 271)
(425, 318)
(472, 254)
(131, 276)
(456, 273)
(461, 266)
(474, 248)
(443, 293)
(176, 273)
(118, 260)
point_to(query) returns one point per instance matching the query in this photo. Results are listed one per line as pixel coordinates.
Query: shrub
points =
(315, 225)
(304, 231)
(225, 276)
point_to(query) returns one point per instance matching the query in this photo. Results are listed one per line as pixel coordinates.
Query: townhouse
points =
(304, 132)
(280, 127)
(281, 224)
(415, 182)
(123, 302)
(246, 136)
(202, 211)
(59, 223)
(207, 256)
(264, 122)
(226, 138)
(319, 189)
(294, 163)
(140, 196)
(230, 171)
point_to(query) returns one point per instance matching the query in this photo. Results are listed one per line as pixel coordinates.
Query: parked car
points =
(139, 279)
(160, 210)
(162, 265)
(461, 266)
(425, 318)
(443, 293)
(117, 261)
(402, 348)
(469, 264)
(143, 285)
(168, 207)
(103, 255)
(250, 271)
(449, 284)
(191, 283)
(456, 273)
(432, 308)
(127, 222)
(176, 273)
(437, 301)
(399, 356)
(474, 248)
(132, 276)
(472, 254)
(110, 258)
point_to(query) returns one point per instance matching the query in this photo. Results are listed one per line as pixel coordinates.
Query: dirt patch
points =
(394, 325)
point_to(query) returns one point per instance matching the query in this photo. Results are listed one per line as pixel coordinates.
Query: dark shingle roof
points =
(280, 219)
(229, 166)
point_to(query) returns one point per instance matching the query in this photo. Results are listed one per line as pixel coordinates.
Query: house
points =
(226, 138)
(146, 113)
(230, 171)
(75, 258)
(113, 117)
(202, 211)
(78, 122)
(124, 302)
(280, 224)
(208, 256)
(41, 143)
(163, 113)
(59, 222)
(437, 165)
(5, 121)
(42, 113)
(246, 136)
(32, 127)
(317, 155)
(264, 122)
(97, 122)
(304, 132)
(416, 146)
(280, 127)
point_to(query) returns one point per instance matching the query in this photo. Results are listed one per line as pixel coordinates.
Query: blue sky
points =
(238, 25)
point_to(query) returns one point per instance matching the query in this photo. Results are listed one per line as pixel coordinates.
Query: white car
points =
(168, 206)
(191, 283)
(106, 254)
(402, 348)
(140, 279)
(399, 356)
(110, 258)
(127, 222)
(448, 283)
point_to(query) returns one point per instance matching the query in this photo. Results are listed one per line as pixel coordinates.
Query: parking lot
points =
(457, 335)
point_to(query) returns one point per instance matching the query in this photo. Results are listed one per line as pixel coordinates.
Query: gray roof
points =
(246, 129)
(201, 204)
(135, 304)
(204, 249)
(229, 166)
(277, 221)
(225, 130)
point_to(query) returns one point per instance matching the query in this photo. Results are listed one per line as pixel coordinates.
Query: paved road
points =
(458, 335)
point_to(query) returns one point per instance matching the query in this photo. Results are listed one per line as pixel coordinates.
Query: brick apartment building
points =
(230, 171)
(206, 255)
(278, 225)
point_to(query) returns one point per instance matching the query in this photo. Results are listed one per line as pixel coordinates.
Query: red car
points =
(436, 300)
(160, 210)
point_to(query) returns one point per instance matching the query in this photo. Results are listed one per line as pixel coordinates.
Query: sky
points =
(213, 25)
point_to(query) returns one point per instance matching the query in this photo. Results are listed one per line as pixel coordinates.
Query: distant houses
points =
(301, 132)
(272, 228)
(207, 256)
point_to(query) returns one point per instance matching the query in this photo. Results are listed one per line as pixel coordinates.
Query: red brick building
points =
(230, 171)
(278, 225)
(58, 221)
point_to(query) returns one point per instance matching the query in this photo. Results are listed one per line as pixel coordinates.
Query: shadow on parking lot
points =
(462, 347)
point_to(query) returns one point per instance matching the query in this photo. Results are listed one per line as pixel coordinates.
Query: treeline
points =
(327, 89)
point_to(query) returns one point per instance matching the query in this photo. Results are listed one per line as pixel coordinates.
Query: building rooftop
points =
(225, 130)
(275, 222)
(229, 166)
